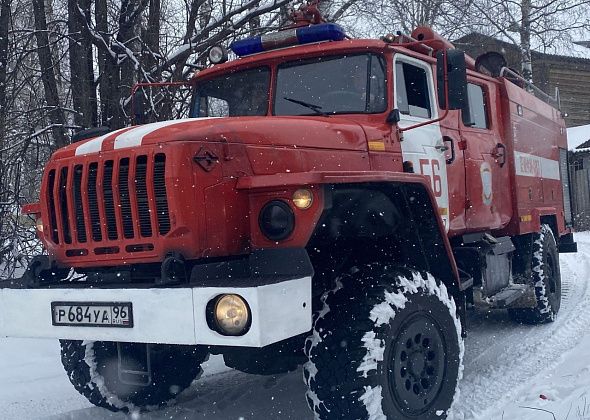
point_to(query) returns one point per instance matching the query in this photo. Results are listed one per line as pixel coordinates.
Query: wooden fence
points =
(580, 190)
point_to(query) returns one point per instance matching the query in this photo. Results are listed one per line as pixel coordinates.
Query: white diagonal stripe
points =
(95, 145)
(135, 136)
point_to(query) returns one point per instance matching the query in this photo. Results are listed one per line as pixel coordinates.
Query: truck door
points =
(423, 146)
(485, 161)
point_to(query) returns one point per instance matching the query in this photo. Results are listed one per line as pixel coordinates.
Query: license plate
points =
(92, 314)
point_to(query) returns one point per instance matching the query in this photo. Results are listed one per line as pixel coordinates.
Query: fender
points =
(408, 182)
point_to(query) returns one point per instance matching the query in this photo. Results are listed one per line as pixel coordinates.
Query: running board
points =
(507, 296)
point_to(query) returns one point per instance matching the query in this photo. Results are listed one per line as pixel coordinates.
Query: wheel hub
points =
(417, 363)
(417, 371)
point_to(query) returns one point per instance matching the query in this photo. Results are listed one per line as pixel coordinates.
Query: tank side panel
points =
(534, 134)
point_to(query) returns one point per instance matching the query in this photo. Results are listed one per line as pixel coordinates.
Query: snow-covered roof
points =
(568, 49)
(577, 136)
(564, 48)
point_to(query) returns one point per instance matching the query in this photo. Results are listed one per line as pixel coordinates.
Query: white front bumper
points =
(170, 316)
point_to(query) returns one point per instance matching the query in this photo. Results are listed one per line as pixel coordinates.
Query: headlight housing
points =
(231, 315)
(217, 54)
(276, 220)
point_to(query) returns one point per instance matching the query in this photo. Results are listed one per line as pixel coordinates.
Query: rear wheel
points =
(108, 374)
(546, 278)
(387, 344)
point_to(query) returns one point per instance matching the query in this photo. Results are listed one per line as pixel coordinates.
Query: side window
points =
(477, 107)
(377, 98)
(213, 106)
(411, 90)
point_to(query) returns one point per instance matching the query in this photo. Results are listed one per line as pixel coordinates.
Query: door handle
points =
(500, 153)
(451, 147)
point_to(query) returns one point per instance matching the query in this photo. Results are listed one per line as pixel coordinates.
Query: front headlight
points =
(217, 54)
(231, 315)
(276, 220)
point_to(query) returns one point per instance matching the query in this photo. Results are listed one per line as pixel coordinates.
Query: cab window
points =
(477, 116)
(412, 91)
(243, 93)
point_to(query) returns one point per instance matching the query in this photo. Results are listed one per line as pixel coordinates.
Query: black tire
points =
(92, 368)
(282, 357)
(387, 344)
(546, 278)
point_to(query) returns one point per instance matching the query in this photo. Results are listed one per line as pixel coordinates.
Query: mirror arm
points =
(444, 115)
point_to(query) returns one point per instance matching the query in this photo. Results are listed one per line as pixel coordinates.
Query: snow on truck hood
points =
(309, 131)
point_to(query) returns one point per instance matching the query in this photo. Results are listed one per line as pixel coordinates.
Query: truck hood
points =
(301, 132)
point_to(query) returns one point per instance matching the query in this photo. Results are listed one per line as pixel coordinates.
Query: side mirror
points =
(456, 79)
(393, 117)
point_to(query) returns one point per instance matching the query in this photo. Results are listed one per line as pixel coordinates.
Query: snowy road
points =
(507, 368)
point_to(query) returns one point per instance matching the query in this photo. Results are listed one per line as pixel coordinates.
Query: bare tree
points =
(4, 21)
(81, 62)
(378, 17)
(56, 114)
(543, 24)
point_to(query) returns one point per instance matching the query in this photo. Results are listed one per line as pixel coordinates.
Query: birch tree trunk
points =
(525, 40)
(107, 67)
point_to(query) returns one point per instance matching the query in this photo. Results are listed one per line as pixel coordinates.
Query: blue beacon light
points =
(289, 37)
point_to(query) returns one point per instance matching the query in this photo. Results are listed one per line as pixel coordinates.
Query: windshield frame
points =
(274, 62)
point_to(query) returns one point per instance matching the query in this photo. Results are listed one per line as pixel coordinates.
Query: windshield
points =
(319, 86)
(329, 85)
(243, 93)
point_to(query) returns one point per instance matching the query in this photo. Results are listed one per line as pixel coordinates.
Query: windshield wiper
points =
(315, 108)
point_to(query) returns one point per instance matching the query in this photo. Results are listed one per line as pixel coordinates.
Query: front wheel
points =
(109, 376)
(387, 344)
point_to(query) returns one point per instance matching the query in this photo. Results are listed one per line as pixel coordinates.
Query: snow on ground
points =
(508, 367)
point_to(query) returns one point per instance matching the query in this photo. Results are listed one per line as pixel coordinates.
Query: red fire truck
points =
(331, 202)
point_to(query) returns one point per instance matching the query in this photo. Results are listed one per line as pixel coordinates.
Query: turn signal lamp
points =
(232, 315)
(287, 38)
(39, 224)
(303, 199)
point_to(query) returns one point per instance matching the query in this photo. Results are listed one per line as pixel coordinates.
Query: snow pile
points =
(563, 391)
